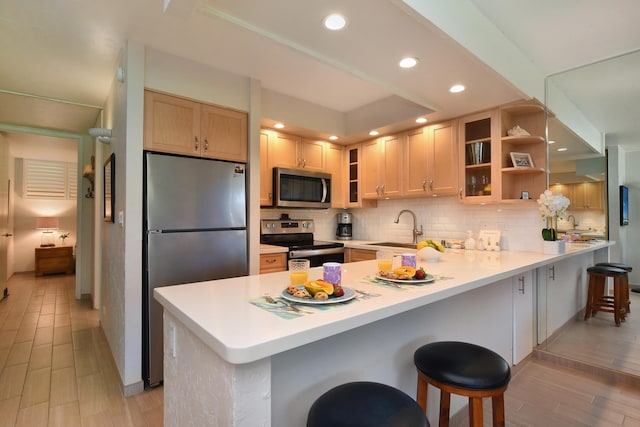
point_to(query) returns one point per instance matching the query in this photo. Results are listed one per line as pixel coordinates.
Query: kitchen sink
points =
(395, 245)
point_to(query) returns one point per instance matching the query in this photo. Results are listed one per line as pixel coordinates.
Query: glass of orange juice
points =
(299, 271)
(385, 260)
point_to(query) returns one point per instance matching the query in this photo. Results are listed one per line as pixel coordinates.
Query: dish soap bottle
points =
(469, 243)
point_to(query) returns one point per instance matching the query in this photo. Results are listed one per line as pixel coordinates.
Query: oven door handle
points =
(302, 253)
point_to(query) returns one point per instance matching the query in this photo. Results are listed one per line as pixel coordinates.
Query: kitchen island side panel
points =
(202, 389)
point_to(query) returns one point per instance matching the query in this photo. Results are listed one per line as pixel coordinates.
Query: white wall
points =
(441, 218)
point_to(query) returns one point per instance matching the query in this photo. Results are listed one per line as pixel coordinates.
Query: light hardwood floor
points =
(56, 369)
(55, 365)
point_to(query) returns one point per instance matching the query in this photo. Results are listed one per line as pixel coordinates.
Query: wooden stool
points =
(625, 284)
(365, 404)
(463, 369)
(596, 298)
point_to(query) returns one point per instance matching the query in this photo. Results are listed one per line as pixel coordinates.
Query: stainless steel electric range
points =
(297, 235)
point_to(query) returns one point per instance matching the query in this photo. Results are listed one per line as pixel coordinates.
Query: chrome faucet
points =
(416, 232)
(573, 223)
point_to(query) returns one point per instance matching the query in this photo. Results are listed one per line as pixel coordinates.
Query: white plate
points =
(427, 279)
(348, 295)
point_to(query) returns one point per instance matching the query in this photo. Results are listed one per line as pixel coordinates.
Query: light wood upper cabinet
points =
(587, 196)
(182, 126)
(583, 196)
(382, 167)
(266, 177)
(488, 174)
(442, 159)
(416, 175)
(283, 150)
(171, 124)
(223, 133)
(431, 162)
(334, 160)
(370, 170)
(312, 155)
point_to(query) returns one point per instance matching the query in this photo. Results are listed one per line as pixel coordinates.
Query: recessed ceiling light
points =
(551, 141)
(278, 126)
(333, 137)
(456, 88)
(421, 120)
(374, 133)
(562, 149)
(334, 22)
(408, 62)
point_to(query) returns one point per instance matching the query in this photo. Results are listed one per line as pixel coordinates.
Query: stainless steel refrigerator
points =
(194, 230)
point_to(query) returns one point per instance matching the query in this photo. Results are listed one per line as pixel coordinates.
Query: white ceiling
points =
(67, 50)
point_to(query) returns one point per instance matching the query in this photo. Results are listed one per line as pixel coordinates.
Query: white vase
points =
(553, 247)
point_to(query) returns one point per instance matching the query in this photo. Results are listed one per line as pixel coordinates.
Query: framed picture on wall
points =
(109, 187)
(521, 160)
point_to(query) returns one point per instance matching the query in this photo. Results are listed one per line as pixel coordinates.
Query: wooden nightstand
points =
(56, 259)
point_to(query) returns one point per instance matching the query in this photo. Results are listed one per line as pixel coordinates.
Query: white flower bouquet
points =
(552, 206)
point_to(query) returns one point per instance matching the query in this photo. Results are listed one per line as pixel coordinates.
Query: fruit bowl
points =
(429, 254)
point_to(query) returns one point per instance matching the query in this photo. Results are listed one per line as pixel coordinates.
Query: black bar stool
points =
(597, 300)
(365, 404)
(628, 269)
(463, 369)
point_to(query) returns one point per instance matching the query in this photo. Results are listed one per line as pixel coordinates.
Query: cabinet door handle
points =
(424, 185)
(382, 189)
(206, 145)
(270, 260)
(431, 185)
(552, 272)
(378, 190)
(521, 287)
(196, 142)
(460, 193)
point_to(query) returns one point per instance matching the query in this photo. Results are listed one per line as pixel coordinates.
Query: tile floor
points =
(55, 365)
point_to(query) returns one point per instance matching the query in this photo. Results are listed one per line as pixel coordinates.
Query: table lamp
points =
(47, 224)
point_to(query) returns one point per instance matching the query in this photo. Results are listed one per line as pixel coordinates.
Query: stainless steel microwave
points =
(298, 188)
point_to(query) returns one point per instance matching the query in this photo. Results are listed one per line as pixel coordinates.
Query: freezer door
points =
(188, 193)
(176, 258)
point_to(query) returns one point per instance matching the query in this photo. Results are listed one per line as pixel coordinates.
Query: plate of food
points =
(318, 292)
(407, 275)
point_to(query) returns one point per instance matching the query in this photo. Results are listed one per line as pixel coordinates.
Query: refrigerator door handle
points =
(154, 232)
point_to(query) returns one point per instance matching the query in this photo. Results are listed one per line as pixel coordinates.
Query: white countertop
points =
(219, 313)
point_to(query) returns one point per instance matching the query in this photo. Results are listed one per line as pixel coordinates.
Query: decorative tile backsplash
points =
(440, 217)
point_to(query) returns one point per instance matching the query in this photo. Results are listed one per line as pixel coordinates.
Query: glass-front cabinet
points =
(478, 151)
(503, 154)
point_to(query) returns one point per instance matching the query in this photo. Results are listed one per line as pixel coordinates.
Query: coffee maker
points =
(344, 231)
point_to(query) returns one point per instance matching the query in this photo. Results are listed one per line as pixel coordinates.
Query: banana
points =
(432, 244)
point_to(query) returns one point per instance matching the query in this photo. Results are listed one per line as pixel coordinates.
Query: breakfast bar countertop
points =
(220, 314)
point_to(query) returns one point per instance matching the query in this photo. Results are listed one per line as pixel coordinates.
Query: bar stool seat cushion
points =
(366, 404)
(615, 265)
(463, 365)
(607, 271)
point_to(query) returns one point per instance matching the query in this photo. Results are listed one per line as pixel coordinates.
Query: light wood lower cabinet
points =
(271, 263)
(353, 255)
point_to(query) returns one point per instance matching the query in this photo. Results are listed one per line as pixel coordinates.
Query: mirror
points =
(592, 89)
(109, 188)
